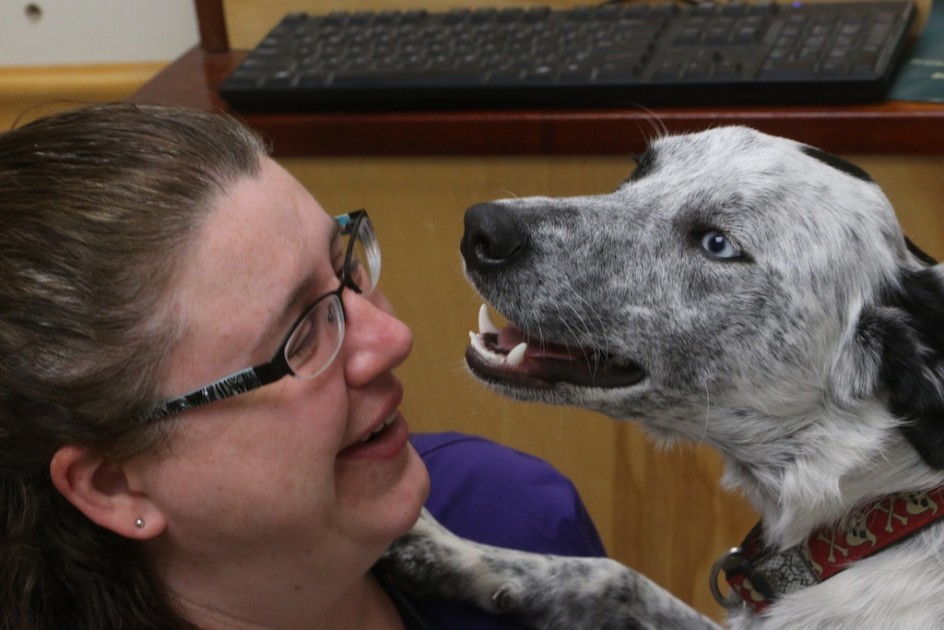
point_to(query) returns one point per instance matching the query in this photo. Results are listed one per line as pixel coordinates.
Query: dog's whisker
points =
(655, 123)
(584, 312)
(580, 329)
(704, 432)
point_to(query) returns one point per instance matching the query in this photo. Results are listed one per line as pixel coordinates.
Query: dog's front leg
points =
(545, 592)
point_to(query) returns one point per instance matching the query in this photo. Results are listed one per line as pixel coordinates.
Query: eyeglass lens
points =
(363, 267)
(317, 338)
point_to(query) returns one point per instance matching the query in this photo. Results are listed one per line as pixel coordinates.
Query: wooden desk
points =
(882, 128)
(661, 512)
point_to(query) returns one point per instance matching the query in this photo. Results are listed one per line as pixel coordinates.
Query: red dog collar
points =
(758, 575)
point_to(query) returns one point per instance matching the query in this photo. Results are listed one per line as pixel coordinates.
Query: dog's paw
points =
(431, 561)
(424, 560)
(411, 564)
(506, 598)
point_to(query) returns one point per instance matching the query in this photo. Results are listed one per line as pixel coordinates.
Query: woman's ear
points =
(100, 489)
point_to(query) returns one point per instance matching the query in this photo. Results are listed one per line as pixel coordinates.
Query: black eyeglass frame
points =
(278, 368)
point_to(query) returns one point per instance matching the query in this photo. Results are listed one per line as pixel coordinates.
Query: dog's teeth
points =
(485, 322)
(516, 356)
(495, 358)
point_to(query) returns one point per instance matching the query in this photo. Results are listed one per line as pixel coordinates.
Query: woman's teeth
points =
(514, 358)
(383, 425)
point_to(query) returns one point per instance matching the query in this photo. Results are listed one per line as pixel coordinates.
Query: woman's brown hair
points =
(97, 206)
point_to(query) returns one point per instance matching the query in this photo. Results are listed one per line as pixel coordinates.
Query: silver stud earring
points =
(139, 522)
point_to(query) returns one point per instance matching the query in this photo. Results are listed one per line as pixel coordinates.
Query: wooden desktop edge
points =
(891, 127)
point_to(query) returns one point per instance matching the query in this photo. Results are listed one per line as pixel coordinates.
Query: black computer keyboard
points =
(614, 54)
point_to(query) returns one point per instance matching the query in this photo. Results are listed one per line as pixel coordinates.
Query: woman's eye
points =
(359, 275)
(718, 245)
(304, 340)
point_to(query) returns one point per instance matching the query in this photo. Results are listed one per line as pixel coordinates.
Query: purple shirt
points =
(496, 495)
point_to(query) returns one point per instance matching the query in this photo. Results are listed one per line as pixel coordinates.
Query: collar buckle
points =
(731, 561)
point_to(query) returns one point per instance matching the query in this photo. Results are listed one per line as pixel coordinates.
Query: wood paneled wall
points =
(29, 92)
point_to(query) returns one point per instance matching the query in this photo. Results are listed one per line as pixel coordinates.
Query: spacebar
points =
(396, 78)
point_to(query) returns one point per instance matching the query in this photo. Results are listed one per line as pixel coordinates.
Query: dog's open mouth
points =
(507, 356)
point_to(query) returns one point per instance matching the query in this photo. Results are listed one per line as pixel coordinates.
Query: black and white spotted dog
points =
(749, 292)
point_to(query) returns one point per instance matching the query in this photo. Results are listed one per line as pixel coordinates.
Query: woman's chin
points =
(387, 500)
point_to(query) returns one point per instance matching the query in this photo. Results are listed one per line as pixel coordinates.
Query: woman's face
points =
(280, 476)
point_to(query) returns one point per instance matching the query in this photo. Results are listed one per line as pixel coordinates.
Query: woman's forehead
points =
(257, 245)
(264, 222)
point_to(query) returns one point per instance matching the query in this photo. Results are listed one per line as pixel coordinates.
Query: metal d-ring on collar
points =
(732, 560)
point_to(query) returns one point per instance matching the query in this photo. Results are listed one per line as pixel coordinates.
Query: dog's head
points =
(733, 271)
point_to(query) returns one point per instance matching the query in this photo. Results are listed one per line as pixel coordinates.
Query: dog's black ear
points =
(919, 253)
(837, 163)
(911, 332)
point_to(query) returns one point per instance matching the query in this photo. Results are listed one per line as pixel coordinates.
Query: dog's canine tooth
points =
(485, 322)
(492, 357)
(516, 356)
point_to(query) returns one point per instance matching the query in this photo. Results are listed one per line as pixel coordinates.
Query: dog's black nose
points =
(493, 237)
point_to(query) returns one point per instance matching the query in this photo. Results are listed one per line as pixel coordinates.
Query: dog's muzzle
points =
(495, 240)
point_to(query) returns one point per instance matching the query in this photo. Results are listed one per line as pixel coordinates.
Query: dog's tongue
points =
(507, 355)
(509, 337)
(514, 344)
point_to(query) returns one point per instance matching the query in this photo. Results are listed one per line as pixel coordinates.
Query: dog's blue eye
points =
(717, 245)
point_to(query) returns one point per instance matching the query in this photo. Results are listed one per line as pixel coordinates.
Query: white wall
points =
(54, 32)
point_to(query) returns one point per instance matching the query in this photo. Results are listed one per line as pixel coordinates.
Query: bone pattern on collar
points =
(758, 575)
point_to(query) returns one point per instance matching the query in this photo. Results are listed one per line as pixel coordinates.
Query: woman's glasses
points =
(316, 336)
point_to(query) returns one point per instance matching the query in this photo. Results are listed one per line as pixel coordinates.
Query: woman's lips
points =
(385, 442)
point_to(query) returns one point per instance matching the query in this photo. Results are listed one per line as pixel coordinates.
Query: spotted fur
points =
(748, 292)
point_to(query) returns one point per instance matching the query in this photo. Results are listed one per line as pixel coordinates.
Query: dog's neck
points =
(801, 484)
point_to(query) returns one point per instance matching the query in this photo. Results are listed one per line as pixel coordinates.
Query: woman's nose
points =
(375, 341)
